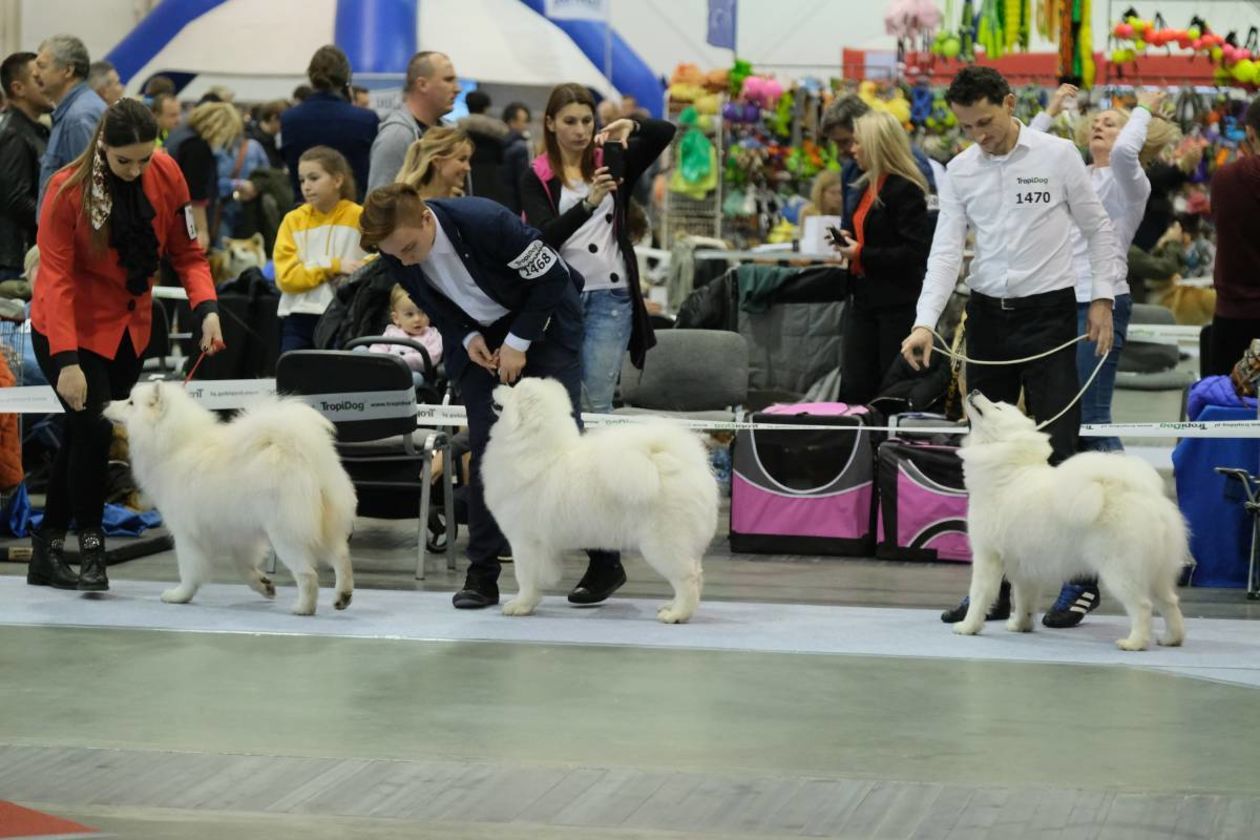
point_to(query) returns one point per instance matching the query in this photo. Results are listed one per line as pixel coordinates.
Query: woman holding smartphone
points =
(886, 241)
(577, 194)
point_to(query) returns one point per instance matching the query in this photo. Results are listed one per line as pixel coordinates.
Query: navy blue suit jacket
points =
(325, 119)
(510, 263)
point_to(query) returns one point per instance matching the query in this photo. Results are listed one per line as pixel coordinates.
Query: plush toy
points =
(781, 122)
(899, 106)
(762, 91)
(717, 81)
(687, 74)
(911, 19)
(739, 71)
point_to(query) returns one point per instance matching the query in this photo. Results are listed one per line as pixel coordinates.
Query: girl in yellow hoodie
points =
(316, 246)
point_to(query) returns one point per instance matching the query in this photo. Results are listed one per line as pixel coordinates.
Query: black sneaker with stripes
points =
(1075, 600)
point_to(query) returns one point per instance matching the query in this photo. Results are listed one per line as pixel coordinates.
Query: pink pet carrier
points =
(806, 491)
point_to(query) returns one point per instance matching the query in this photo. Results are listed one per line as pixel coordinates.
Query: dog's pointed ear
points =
(258, 240)
(155, 400)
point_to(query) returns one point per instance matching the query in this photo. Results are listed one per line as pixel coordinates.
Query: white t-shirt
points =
(593, 248)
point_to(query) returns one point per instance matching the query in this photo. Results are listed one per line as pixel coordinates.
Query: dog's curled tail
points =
(1085, 507)
(633, 475)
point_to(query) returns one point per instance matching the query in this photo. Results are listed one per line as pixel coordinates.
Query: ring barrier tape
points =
(221, 394)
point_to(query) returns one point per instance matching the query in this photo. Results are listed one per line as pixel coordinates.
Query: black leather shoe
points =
(598, 583)
(1000, 611)
(92, 577)
(48, 565)
(478, 593)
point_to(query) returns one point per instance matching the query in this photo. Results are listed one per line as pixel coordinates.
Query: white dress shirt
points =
(593, 248)
(1023, 206)
(1123, 189)
(447, 273)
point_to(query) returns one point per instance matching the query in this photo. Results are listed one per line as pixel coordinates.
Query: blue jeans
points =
(1096, 403)
(609, 318)
(297, 331)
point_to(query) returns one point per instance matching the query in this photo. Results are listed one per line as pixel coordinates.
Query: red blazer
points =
(81, 298)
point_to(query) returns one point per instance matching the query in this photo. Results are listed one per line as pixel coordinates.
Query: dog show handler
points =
(1023, 193)
(507, 306)
(106, 221)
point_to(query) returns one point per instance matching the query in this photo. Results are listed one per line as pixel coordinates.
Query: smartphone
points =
(836, 237)
(615, 160)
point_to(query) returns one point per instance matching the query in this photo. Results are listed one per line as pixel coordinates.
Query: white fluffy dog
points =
(1096, 513)
(644, 486)
(271, 475)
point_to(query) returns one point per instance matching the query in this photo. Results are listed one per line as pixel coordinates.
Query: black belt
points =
(1040, 301)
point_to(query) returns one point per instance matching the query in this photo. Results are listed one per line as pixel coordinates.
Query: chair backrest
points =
(689, 370)
(1139, 356)
(373, 384)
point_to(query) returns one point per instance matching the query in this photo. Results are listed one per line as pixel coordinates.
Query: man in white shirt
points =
(1022, 193)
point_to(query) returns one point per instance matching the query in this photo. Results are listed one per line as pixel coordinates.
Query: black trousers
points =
(1230, 339)
(1022, 327)
(76, 488)
(870, 344)
(486, 542)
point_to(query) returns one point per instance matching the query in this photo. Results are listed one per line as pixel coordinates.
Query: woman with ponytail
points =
(107, 220)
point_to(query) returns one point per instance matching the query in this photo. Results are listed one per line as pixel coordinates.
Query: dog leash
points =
(945, 348)
(216, 346)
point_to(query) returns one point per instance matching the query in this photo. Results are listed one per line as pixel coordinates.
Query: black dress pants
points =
(486, 542)
(76, 488)
(1015, 328)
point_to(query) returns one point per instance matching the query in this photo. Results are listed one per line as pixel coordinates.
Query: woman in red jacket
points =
(106, 221)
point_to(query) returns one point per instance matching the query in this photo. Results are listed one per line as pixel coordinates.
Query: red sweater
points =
(81, 298)
(1236, 213)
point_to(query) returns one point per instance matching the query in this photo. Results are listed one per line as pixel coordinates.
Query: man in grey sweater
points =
(429, 93)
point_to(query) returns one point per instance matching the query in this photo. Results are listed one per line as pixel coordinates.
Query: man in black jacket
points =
(22, 144)
(507, 306)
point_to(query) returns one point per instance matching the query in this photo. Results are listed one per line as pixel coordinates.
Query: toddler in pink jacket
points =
(408, 321)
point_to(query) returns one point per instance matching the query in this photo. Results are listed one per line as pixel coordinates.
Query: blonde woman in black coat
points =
(886, 241)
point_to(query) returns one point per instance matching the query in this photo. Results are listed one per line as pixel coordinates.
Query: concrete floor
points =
(155, 734)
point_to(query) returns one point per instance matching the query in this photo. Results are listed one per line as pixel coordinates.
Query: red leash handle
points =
(214, 348)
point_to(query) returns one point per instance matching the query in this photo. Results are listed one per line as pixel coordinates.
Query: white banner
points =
(367, 405)
(226, 394)
(578, 10)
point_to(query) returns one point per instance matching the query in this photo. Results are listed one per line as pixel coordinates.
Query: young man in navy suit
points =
(507, 306)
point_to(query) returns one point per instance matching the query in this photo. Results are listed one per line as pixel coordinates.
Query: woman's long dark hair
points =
(125, 123)
(561, 97)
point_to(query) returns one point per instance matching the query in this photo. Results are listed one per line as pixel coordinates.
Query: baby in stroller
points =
(409, 322)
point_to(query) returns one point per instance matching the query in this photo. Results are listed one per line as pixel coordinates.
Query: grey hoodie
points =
(396, 134)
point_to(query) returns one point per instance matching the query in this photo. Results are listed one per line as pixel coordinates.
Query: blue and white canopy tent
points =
(261, 49)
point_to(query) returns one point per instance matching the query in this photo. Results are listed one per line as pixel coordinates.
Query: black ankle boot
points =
(92, 577)
(48, 565)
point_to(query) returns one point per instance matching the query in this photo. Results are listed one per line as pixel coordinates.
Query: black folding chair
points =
(370, 399)
(1251, 487)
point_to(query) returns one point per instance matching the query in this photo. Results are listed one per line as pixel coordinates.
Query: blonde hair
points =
(887, 150)
(437, 144)
(218, 123)
(825, 180)
(397, 296)
(1160, 134)
(30, 263)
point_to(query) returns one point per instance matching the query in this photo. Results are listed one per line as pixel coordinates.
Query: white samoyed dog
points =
(1097, 513)
(271, 475)
(644, 486)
